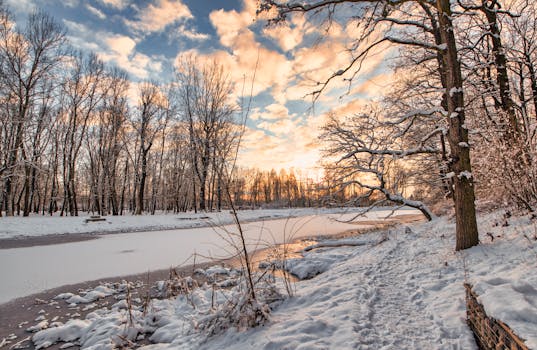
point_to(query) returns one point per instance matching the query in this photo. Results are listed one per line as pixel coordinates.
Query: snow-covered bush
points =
(506, 173)
(241, 310)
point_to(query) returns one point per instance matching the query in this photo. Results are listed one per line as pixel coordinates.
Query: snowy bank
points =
(132, 253)
(12, 227)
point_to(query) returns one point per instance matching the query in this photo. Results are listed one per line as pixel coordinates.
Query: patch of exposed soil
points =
(24, 242)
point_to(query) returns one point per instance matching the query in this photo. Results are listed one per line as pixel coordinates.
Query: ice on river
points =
(24, 271)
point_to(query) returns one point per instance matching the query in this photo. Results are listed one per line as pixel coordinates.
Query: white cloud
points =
(121, 51)
(191, 34)
(121, 44)
(272, 112)
(158, 15)
(96, 11)
(22, 6)
(230, 25)
(70, 3)
(266, 152)
(78, 35)
(288, 37)
(116, 49)
(118, 4)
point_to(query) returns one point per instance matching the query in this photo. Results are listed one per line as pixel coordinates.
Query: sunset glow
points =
(146, 39)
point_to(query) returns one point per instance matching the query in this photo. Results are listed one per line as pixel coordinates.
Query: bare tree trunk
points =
(123, 188)
(141, 185)
(464, 197)
(502, 77)
(533, 80)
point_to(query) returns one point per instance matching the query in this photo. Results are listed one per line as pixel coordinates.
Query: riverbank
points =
(26, 228)
(18, 315)
(37, 268)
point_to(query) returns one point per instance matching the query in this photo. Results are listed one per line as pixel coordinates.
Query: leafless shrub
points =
(507, 172)
(241, 310)
(176, 285)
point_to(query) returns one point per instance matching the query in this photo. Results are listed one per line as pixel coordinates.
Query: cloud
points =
(295, 73)
(117, 4)
(191, 34)
(375, 86)
(79, 36)
(96, 11)
(288, 37)
(70, 3)
(230, 25)
(271, 112)
(22, 6)
(289, 71)
(267, 152)
(158, 15)
(121, 44)
(121, 51)
(117, 49)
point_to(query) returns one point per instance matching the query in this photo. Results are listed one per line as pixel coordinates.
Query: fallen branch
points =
(336, 244)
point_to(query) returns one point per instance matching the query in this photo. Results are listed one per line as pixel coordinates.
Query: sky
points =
(280, 65)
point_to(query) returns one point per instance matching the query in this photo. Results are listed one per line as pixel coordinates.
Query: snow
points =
(397, 289)
(96, 294)
(41, 325)
(68, 332)
(465, 174)
(455, 90)
(38, 268)
(503, 273)
(14, 227)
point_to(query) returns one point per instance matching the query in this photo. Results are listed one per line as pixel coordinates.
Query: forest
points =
(420, 230)
(72, 139)
(459, 119)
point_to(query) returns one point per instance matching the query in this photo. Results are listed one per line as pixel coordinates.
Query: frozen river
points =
(24, 271)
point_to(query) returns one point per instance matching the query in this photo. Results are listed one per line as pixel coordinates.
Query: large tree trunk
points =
(464, 197)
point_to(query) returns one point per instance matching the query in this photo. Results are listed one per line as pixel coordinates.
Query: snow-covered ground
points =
(38, 225)
(402, 289)
(25, 271)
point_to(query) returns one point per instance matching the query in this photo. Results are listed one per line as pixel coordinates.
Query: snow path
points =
(24, 271)
(386, 318)
(394, 295)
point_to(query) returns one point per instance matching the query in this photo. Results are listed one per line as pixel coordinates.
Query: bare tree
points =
(150, 118)
(28, 57)
(113, 118)
(366, 154)
(204, 94)
(82, 92)
(433, 21)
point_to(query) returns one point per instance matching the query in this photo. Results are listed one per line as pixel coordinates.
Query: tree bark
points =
(502, 77)
(464, 196)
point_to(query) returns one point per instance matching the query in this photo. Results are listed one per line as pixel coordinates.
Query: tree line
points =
(70, 140)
